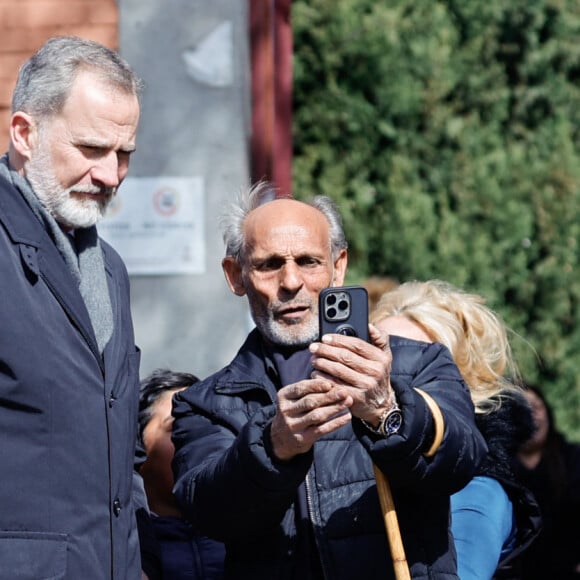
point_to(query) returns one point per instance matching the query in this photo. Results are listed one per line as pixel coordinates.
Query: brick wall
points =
(26, 24)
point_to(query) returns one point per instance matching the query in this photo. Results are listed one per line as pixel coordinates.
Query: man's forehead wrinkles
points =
(290, 254)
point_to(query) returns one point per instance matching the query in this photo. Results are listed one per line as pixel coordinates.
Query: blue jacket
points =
(68, 417)
(234, 490)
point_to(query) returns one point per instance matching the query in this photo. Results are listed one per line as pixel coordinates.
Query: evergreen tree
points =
(449, 134)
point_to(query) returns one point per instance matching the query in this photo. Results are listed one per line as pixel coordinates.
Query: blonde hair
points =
(474, 334)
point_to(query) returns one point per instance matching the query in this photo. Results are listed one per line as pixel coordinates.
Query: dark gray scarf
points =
(85, 261)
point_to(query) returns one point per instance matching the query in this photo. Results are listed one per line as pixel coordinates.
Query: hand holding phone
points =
(362, 370)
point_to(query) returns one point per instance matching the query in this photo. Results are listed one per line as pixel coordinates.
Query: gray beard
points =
(57, 200)
(300, 334)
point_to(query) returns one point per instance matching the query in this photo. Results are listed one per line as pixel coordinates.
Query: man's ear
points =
(233, 273)
(23, 134)
(340, 268)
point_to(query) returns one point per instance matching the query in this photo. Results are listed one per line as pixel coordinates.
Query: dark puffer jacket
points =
(233, 489)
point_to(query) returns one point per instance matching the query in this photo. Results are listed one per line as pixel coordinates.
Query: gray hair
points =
(46, 78)
(232, 222)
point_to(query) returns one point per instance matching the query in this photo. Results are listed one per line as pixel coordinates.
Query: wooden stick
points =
(392, 526)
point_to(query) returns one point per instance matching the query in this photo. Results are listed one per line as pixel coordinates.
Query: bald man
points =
(275, 452)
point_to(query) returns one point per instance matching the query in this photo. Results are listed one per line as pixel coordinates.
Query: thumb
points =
(378, 338)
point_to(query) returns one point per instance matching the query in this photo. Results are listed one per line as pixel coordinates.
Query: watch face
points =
(393, 422)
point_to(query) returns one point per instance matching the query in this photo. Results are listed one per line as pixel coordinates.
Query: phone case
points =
(344, 310)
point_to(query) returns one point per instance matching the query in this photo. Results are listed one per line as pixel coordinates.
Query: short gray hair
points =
(46, 78)
(232, 222)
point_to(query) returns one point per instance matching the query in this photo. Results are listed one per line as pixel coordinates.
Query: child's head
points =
(155, 423)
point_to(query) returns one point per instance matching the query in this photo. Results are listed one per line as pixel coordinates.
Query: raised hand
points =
(306, 411)
(361, 368)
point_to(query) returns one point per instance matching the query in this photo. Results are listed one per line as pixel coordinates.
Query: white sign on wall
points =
(157, 224)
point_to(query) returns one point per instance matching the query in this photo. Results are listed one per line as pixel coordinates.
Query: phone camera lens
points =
(343, 305)
(331, 299)
(331, 313)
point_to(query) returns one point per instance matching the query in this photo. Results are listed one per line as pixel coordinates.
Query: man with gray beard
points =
(274, 453)
(69, 367)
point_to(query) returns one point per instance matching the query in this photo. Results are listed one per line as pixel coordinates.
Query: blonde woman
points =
(493, 518)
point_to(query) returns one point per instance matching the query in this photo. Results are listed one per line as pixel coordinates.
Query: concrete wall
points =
(194, 123)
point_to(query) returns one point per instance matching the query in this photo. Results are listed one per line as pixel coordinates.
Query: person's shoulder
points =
(203, 388)
(15, 213)
(410, 344)
(421, 363)
(409, 352)
(242, 371)
(487, 489)
(5, 183)
(401, 342)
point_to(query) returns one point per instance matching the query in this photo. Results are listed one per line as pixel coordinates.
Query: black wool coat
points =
(68, 417)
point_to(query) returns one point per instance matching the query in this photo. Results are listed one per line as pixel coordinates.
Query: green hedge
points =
(449, 133)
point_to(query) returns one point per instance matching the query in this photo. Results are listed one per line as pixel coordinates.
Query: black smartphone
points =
(344, 310)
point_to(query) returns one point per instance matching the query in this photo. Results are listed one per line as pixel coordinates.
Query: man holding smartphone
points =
(275, 452)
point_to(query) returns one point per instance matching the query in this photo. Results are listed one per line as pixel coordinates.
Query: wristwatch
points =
(390, 422)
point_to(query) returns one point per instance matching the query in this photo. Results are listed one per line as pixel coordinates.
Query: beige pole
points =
(392, 526)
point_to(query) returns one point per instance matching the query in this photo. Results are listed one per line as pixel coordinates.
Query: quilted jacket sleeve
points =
(223, 459)
(430, 367)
